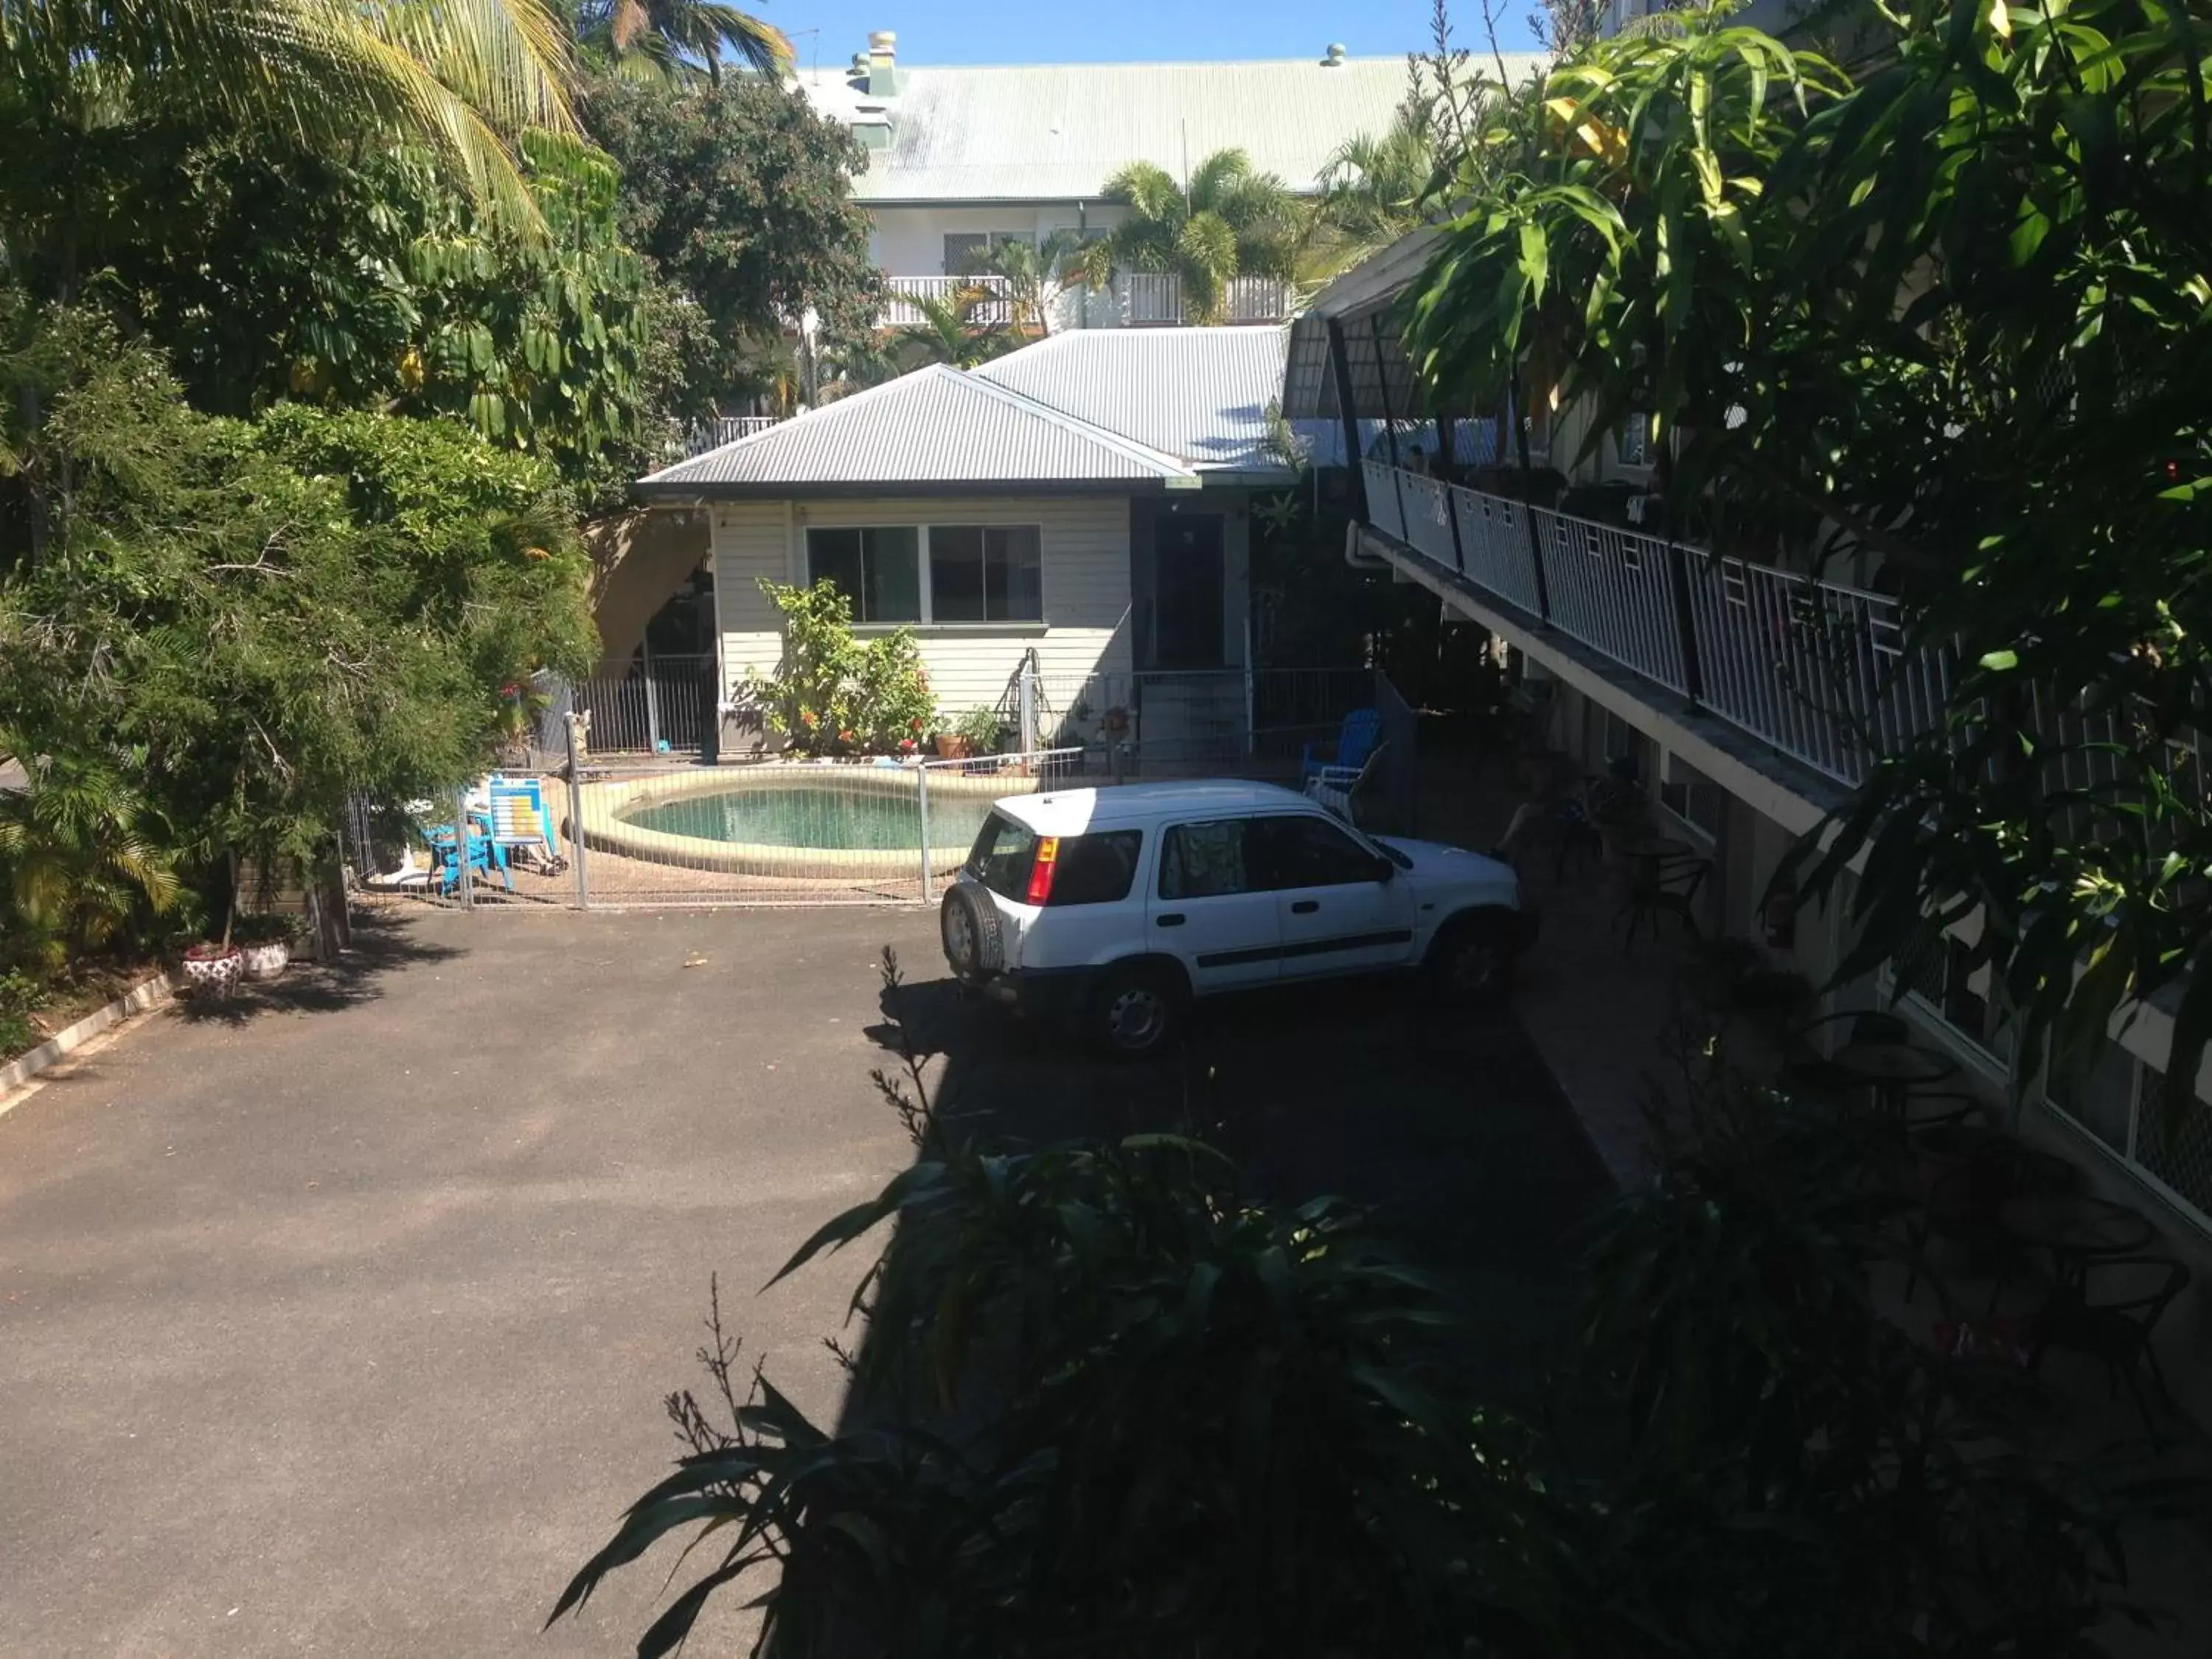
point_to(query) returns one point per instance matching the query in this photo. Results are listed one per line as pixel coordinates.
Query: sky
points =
(829, 31)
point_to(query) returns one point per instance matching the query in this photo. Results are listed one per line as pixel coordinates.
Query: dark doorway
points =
(1187, 584)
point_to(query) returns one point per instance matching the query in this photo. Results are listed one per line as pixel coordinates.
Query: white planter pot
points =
(267, 961)
(215, 976)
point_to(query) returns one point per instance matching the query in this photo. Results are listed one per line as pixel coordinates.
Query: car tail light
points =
(1048, 860)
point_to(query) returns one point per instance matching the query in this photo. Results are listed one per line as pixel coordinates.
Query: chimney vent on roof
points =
(882, 63)
(859, 70)
(1334, 56)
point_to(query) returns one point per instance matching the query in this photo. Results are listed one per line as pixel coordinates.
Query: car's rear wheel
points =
(1471, 964)
(1137, 1010)
(970, 931)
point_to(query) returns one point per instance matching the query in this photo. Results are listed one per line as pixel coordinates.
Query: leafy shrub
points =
(984, 729)
(833, 694)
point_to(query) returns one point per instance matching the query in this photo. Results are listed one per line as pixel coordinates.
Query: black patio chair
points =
(1965, 1209)
(1663, 884)
(2115, 1331)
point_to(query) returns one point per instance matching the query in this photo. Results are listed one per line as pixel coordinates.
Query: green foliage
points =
(246, 623)
(1105, 1401)
(676, 42)
(833, 694)
(367, 281)
(1946, 327)
(81, 857)
(1233, 220)
(984, 728)
(85, 87)
(737, 196)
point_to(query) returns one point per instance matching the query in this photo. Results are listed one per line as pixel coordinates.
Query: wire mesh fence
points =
(591, 829)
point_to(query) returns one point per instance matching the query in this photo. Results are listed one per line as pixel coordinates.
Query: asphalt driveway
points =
(343, 1326)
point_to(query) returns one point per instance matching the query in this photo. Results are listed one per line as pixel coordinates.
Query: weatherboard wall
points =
(1084, 546)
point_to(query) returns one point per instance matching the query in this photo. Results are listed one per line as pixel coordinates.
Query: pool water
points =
(857, 819)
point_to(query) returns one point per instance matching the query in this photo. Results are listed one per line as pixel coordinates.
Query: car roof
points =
(1072, 811)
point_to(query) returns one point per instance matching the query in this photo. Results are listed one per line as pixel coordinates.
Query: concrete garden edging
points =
(147, 994)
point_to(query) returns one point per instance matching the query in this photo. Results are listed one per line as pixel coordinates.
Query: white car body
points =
(1238, 884)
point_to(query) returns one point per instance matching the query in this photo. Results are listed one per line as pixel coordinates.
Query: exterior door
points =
(1337, 915)
(1209, 909)
(1186, 584)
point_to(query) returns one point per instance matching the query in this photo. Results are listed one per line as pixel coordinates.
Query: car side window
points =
(1206, 860)
(1311, 852)
(1097, 868)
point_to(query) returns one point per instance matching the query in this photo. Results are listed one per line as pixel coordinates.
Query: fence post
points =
(922, 789)
(1025, 703)
(1528, 501)
(1677, 575)
(463, 831)
(577, 726)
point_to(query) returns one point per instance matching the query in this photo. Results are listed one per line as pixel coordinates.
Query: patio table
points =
(1891, 1069)
(2075, 1229)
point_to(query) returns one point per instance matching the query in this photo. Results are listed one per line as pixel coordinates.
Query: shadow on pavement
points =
(1444, 1125)
(380, 945)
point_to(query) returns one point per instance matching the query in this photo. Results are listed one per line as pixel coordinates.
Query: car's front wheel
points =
(1471, 963)
(1137, 1010)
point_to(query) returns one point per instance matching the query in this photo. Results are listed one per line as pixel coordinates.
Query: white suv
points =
(1115, 906)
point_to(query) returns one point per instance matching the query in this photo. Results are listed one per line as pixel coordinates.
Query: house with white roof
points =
(962, 157)
(1085, 499)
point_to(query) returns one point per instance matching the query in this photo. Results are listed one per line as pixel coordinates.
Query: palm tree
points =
(678, 39)
(1375, 187)
(949, 333)
(81, 851)
(465, 80)
(1232, 221)
(1033, 276)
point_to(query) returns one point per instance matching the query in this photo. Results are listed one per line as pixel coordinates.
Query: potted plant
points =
(266, 944)
(213, 966)
(982, 730)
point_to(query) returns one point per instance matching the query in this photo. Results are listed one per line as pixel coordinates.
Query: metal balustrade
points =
(1824, 672)
(1382, 498)
(988, 306)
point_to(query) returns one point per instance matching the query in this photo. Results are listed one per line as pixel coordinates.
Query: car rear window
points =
(1001, 857)
(1094, 869)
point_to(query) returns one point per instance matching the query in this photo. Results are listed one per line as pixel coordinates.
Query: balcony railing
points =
(1822, 672)
(726, 429)
(1139, 300)
(903, 308)
(1153, 299)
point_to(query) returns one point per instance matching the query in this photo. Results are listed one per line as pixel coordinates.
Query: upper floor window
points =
(896, 574)
(965, 251)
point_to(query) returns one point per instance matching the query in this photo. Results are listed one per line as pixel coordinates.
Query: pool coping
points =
(607, 831)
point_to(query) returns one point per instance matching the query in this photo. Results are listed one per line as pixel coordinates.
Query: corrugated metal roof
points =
(1200, 394)
(1058, 131)
(935, 426)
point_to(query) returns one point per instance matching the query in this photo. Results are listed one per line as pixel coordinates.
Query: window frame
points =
(927, 620)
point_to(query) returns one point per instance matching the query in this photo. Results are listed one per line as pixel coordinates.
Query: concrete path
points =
(342, 1326)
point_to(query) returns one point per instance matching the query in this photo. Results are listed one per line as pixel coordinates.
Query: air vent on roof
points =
(1333, 58)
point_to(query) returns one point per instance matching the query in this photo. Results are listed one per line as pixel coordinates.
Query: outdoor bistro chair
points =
(1339, 789)
(2114, 1329)
(1355, 741)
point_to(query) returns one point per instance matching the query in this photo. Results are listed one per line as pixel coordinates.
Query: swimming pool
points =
(798, 820)
(855, 818)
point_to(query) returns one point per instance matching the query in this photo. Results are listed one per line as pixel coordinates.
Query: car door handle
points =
(1305, 907)
(1173, 918)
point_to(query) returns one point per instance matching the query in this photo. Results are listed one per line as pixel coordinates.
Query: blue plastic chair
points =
(484, 853)
(1355, 741)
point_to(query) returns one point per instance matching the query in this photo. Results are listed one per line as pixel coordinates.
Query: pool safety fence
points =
(771, 833)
